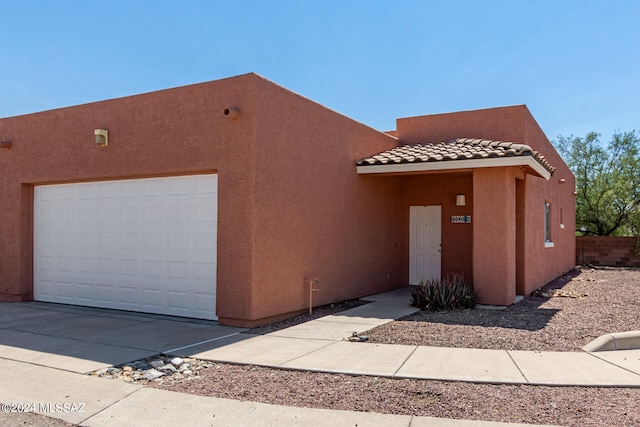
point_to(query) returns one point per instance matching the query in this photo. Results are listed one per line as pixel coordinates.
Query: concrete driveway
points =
(82, 339)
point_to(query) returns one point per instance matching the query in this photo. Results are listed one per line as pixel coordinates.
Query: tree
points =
(607, 182)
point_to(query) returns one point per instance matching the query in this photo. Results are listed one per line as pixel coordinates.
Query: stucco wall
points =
(290, 202)
(502, 123)
(546, 263)
(534, 264)
(494, 234)
(171, 132)
(314, 217)
(441, 189)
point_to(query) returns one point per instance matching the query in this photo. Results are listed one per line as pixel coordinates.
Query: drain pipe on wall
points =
(311, 283)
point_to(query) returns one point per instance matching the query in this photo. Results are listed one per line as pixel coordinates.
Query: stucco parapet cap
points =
(456, 149)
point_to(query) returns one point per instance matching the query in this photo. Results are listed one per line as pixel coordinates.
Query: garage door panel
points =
(178, 300)
(178, 270)
(129, 241)
(146, 245)
(153, 241)
(152, 213)
(129, 267)
(203, 300)
(178, 241)
(153, 298)
(106, 266)
(204, 271)
(66, 264)
(47, 240)
(107, 241)
(202, 242)
(45, 263)
(153, 269)
(178, 213)
(84, 292)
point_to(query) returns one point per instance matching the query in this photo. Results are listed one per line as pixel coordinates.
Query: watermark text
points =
(44, 407)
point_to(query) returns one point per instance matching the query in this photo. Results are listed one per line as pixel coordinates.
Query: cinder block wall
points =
(609, 251)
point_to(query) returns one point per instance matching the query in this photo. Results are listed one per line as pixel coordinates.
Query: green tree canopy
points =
(607, 182)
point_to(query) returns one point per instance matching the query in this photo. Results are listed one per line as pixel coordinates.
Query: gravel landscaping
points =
(564, 316)
(567, 314)
(560, 323)
(571, 406)
(589, 303)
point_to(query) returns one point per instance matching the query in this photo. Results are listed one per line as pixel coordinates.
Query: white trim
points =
(549, 244)
(457, 164)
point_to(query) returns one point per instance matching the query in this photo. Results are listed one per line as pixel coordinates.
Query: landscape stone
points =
(152, 374)
(153, 369)
(156, 363)
(167, 368)
(177, 361)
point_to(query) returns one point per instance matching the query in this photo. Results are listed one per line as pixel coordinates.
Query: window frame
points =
(548, 242)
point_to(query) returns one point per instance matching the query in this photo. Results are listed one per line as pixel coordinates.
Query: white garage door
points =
(142, 245)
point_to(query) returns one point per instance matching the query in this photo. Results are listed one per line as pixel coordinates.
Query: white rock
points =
(167, 368)
(156, 363)
(152, 374)
(177, 361)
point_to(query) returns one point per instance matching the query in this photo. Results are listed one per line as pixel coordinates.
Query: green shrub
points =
(447, 294)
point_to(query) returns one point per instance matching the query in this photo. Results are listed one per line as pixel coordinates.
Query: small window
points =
(561, 220)
(547, 225)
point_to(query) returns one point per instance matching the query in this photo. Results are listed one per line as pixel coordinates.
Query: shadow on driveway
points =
(82, 339)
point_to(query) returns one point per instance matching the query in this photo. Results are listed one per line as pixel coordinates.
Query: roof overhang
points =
(529, 163)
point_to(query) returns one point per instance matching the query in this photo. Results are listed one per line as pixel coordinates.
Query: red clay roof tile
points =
(456, 149)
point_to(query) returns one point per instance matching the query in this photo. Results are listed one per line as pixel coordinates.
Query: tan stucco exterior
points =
(290, 203)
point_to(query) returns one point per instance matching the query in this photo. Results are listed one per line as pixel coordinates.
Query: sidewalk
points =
(114, 403)
(317, 345)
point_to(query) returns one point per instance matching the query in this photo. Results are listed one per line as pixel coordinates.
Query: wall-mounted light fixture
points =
(102, 137)
(460, 200)
(562, 180)
(232, 112)
(6, 144)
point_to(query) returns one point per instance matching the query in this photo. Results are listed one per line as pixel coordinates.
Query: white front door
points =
(425, 237)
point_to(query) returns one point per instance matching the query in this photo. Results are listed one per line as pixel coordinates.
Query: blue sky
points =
(576, 64)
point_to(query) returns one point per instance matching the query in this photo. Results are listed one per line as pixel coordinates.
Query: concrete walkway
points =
(319, 345)
(45, 348)
(98, 402)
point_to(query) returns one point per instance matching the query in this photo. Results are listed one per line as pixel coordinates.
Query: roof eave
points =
(528, 162)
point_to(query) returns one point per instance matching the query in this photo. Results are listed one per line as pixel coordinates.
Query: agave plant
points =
(447, 294)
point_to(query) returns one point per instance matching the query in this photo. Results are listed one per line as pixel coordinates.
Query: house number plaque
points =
(461, 219)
